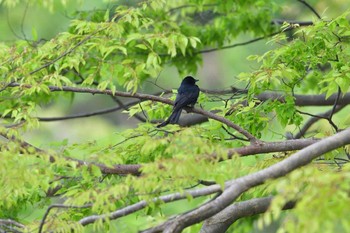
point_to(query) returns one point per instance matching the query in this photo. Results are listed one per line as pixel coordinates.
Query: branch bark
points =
(270, 147)
(9, 225)
(145, 97)
(233, 188)
(62, 207)
(236, 187)
(220, 222)
(307, 100)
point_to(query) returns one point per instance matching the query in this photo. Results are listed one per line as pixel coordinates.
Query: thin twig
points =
(62, 206)
(237, 44)
(333, 110)
(233, 188)
(67, 52)
(11, 222)
(126, 108)
(23, 19)
(313, 120)
(310, 7)
(147, 97)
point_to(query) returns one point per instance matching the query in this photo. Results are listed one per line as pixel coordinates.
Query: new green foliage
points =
(122, 48)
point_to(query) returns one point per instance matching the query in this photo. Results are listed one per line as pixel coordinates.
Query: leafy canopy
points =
(121, 48)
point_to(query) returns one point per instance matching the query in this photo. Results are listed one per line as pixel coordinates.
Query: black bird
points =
(187, 95)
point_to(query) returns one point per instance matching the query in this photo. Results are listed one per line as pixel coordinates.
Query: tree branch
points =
(307, 100)
(276, 21)
(270, 147)
(310, 7)
(142, 204)
(220, 222)
(62, 207)
(333, 110)
(120, 169)
(167, 198)
(314, 119)
(237, 44)
(9, 225)
(145, 97)
(82, 115)
(236, 187)
(66, 52)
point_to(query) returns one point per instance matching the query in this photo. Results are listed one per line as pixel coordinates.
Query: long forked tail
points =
(173, 118)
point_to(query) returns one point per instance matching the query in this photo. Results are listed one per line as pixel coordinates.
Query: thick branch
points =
(142, 204)
(300, 100)
(145, 97)
(176, 196)
(220, 222)
(238, 186)
(307, 100)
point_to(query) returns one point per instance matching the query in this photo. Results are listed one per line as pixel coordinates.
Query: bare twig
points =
(310, 7)
(121, 104)
(61, 206)
(67, 52)
(333, 110)
(237, 44)
(22, 21)
(232, 135)
(313, 120)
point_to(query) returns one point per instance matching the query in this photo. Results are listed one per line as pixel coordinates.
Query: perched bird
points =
(187, 95)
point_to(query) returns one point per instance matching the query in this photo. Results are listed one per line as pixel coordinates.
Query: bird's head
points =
(189, 80)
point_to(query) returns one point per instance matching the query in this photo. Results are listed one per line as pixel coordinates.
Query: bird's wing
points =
(186, 97)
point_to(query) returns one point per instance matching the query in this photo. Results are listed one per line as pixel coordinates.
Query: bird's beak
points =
(196, 80)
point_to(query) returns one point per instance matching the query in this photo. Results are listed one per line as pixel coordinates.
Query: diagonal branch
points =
(236, 187)
(66, 52)
(277, 21)
(120, 169)
(143, 204)
(237, 44)
(220, 222)
(271, 147)
(9, 225)
(333, 110)
(171, 197)
(310, 7)
(61, 206)
(145, 97)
